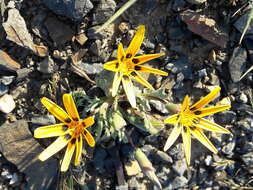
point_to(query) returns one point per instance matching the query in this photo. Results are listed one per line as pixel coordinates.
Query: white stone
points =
(7, 103)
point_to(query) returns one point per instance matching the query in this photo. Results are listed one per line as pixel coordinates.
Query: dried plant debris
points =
(205, 27)
(16, 30)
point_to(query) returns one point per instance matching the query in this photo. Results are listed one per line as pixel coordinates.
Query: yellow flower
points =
(70, 132)
(128, 65)
(190, 121)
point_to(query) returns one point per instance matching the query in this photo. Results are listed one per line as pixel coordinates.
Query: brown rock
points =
(22, 149)
(58, 31)
(81, 38)
(133, 168)
(205, 27)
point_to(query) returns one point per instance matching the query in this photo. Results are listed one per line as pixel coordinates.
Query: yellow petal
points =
(205, 100)
(187, 144)
(88, 121)
(198, 134)
(116, 83)
(172, 119)
(68, 155)
(79, 147)
(210, 110)
(55, 147)
(121, 53)
(141, 68)
(136, 42)
(173, 137)
(185, 104)
(129, 89)
(51, 131)
(112, 65)
(70, 106)
(136, 76)
(88, 137)
(57, 111)
(144, 58)
(210, 126)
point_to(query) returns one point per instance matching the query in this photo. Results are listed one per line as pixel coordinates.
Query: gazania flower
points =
(128, 65)
(70, 132)
(189, 121)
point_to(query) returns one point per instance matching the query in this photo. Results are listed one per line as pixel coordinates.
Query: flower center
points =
(76, 128)
(186, 118)
(126, 66)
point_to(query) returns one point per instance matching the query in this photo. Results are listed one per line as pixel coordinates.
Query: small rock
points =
(209, 160)
(237, 63)
(229, 148)
(178, 182)
(180, 167)
(23, 73)
(196, 2)
(16, 30)
(248, 158)
(6, 80)
(91, 68)
(104, 10)
(159, 106)
(132, 168)
(225, 117)
(81, 38)
(7, 103)
(47, 66)
(242, 98)
(163, 157)
(202, 73)
(3, 89)
(74, 9)
(205, 27)
(240, 24)
(58, 31)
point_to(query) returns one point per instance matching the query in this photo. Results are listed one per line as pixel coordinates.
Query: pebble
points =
(240, 24)
(3, 89)
(163, 157)
(7, 64)
(59, 31)
(178, 182)
(228, 149)
(180, 167)
(7, 103)
(248, 158)
(91, 68)
(132, 168)
(6, 80)
(237, 63)
(47, 66)
(74, 9)
(159, 106)
(209, 160)
(104, 10)
(242, 98)
(225, 117)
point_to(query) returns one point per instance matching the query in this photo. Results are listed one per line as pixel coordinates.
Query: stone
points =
(159, 106)
(242, 98)
(74, 9)
(7, 64)
(132, 168)
(225, 117)
(16, 30)
(196, 2)
(180, 167)
(91, 68)
(205, 27)
(81, 38)
(162, 157)
(229, 147)
(237, 63)
(6, 80)
(248, 158)
(209, 160)
(7, 103)
(23, 73)
(22, 149)
(3, 89)
(47, 66)
(241, 23)
(99, 159)
(104, 10)
(58, 30)
(178, 182)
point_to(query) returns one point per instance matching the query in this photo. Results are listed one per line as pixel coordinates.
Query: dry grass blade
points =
(250, 69)
(248, 22)
(117, 14)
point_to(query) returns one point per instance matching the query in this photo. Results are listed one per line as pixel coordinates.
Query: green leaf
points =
(104, 81)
